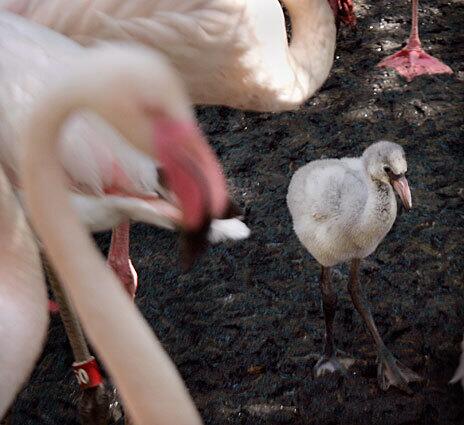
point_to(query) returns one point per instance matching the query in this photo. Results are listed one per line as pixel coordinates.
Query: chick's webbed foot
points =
(391, 372)
(327, 365)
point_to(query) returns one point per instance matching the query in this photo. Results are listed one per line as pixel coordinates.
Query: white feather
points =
(233, 228)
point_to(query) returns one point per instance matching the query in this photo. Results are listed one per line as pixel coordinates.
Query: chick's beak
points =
(401, 186)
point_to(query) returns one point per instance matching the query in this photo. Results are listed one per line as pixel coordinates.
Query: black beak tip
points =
(232, 211)
(186, 263)
(404, 208)
(193, 244)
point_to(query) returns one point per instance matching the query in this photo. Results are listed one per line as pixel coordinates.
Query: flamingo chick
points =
(412, 61)
(23, 297)
(152, 111)
(341, 210)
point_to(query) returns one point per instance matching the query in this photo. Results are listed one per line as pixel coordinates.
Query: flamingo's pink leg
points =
(118, 258)
(412, 61)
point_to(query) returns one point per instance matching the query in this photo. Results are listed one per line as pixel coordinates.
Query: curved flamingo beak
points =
(193, 173)
(400, 184)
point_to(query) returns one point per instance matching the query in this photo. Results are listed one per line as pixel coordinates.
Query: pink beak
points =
(192, 172)
(402, 188)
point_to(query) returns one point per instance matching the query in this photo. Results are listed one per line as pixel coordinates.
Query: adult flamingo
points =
(122, 181)
(412, 61)
(229, 52)
(23, 297)
(24, 322)
(112, 181)
(151, 110)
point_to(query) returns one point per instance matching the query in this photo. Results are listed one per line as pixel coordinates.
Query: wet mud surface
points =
(245, 325)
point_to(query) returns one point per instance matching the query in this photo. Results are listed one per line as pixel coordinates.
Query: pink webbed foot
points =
(412, 62)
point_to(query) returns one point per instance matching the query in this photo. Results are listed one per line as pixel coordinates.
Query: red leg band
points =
(87, 373)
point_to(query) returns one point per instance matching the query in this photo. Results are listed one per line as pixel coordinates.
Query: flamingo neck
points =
(312, 46)
(379, 211)
(149, 383)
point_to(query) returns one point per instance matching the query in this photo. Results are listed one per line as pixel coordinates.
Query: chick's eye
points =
(387, 169)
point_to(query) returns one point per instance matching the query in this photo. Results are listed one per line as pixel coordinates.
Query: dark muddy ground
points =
(243, 326)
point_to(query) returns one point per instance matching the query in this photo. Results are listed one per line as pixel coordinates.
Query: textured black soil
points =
(245, 324)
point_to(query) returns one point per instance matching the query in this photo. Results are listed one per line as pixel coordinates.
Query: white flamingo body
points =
(111, 181)
(231, 52)
(23, 297)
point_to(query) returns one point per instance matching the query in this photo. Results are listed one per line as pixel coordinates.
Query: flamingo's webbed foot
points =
(327, 365)
(411, 63)
(391, 372)
(99, 406)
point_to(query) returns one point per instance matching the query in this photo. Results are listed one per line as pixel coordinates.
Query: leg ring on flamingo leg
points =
(98, 404)
(87, 373)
